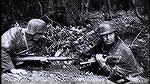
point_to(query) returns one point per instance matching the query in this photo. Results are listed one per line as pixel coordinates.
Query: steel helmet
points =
(36, 26)
(105, 28)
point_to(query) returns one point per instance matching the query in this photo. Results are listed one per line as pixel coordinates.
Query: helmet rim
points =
(105, 28)
(36, 26)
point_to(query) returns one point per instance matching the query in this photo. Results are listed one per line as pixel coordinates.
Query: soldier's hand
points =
(100, 59)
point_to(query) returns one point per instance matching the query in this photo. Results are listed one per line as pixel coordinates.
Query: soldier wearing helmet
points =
(17, 41)
(36, 26)
(106, 32)
(112, 55)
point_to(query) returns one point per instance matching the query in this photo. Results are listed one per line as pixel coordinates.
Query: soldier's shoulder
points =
(123, 45)
(12, 31)
(15, 29)
(124, 50)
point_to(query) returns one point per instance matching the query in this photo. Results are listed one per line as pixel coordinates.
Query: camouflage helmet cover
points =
(36, 26)
(105, 28)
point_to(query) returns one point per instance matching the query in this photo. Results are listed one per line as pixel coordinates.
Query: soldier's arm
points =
(7, 63)
(7, 45)
(128, 64)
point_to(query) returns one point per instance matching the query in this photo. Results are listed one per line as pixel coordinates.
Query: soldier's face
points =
(39, 36)
(109, 38)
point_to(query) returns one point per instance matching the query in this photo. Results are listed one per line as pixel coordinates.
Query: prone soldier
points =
(17, 40)
(111, 56)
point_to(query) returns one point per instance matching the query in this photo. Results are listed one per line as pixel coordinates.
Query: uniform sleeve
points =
(7, 46)
(128, 64)
(7, 63)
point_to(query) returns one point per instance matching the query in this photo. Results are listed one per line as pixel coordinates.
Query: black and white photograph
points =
(75, 42)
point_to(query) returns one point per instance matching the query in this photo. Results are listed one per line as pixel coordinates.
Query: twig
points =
(53, 21)
(40, 7)
(136, 37)
(47, 14)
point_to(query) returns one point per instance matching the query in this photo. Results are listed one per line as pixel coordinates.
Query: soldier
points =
(112, 55)
(17, 41)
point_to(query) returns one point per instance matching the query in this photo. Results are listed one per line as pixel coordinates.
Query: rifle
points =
(41, 58)
(92, 61)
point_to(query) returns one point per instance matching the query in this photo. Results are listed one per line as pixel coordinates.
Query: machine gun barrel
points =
(22, 59)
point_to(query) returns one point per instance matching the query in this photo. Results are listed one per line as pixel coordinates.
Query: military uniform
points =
(125, 65)
(14, 41)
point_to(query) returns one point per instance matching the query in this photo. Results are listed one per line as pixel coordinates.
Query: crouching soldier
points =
(113, 56)
(17, 40)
